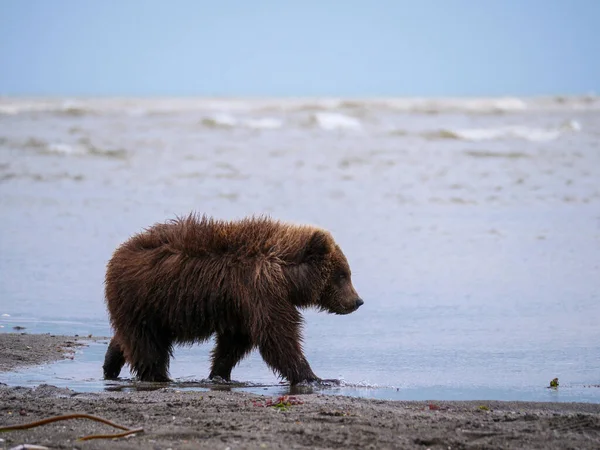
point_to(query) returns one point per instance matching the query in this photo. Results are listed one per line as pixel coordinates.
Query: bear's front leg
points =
(114, 360)
(282, 351)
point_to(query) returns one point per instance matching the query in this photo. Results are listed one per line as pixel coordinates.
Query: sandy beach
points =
(223, 419)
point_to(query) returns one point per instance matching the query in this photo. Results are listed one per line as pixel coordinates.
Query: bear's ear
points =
(318, 246)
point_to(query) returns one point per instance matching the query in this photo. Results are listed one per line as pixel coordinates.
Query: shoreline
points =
(24, 349)
(222, 418)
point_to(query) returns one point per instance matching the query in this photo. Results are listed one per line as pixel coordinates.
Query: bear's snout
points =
(359, 302)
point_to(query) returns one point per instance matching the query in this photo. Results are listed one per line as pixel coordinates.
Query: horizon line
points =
(590, 93)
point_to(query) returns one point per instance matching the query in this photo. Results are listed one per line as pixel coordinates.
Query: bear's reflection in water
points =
(222, 385)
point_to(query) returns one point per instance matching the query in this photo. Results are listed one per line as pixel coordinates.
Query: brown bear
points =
(184, 280)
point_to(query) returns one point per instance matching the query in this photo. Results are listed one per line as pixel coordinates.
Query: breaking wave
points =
(458, 105)
(506, 132)
(265, 123)
(334, 121)
(355, 106)
(220, 121)
(82, 147)
(41, 177)
(224, 120)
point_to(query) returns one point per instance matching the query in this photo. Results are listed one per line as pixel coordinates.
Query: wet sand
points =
(224, 419)
(22, 349)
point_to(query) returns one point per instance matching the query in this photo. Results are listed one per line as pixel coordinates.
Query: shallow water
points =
(472, 228)
(84, 375)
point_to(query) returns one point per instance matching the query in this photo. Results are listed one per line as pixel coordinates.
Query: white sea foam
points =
(9, 110)
(224, 120)
(571, 125)
(464, 105)
(220, 120)
(13, 107)
(65, 149)
(82, 147)
(150, 106)
(265, 123)
(363, 384)
(508, 132)
(335, 121)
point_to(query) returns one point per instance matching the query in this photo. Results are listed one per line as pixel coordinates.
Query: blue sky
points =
(299, 48)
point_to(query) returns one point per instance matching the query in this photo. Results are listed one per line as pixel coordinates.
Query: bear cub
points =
(244, 281)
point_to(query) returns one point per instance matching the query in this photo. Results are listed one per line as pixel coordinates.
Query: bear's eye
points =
(342, 276)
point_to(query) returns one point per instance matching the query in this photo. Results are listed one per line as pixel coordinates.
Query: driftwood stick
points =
(25, 426)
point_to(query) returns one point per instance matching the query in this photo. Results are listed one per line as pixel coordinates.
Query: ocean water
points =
(472, 227)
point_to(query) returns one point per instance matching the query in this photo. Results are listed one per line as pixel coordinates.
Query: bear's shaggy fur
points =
(187, 279)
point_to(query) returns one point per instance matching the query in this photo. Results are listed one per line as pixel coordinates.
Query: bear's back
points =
(201, 236)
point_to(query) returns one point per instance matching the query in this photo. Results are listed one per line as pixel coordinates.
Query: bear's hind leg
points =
(114, 360)
(229, 350)
(149, 359)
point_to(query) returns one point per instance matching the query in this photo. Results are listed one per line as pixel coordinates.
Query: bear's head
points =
(339, 295)
(323, 277)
